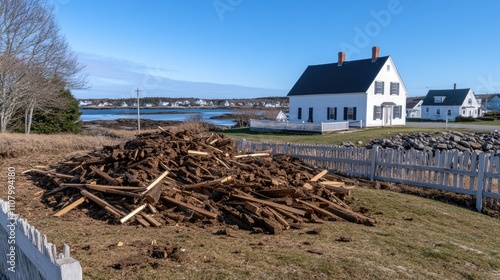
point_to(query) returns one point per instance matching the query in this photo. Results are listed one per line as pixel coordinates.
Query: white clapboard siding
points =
(461, 172)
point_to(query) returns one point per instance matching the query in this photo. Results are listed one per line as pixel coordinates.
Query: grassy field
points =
(414, 238)
(364, 135)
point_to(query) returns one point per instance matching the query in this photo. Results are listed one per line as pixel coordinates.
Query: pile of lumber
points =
(170, 178)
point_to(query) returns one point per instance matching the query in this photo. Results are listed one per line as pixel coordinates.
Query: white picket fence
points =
(32, 256)
(267, 125)
(461, 172)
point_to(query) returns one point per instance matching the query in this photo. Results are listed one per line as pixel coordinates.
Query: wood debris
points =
(164, 178)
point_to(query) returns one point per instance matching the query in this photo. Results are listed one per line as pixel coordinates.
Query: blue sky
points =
(252, 48)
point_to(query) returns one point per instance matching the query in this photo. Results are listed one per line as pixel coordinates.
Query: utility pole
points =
(138, 114)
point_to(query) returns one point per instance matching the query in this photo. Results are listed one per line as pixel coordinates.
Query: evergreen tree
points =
(57, 119)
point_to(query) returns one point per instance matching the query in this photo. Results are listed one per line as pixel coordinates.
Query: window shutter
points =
(327, 113)
(335, 113)
(345, 113)
(400, 111)
(374, 112)
(354, 113)
(299, 113)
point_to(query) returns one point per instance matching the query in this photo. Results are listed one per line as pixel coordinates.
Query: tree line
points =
(37, 69)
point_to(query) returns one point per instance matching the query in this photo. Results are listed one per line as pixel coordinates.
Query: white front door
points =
(387, 115)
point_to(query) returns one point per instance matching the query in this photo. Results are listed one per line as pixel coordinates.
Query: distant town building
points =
(104, 104)
(124, 104)
(450, 103)
(163, 103)
(200, 102)
(84, 103)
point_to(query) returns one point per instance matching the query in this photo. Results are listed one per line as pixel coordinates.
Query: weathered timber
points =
(99, 201)
(280, 218)
(50, 173)
(105, 176)
(195, 209)
(318, 209)
(207, 183)
(272, 204)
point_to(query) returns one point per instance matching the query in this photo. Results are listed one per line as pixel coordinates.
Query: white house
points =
(367, 92)
(163, 103)
(414, 108)
(84, 103)
(200, 102)
(450, 103)
(124, 104)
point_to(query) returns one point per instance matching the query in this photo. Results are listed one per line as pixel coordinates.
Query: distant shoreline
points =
(180, 108)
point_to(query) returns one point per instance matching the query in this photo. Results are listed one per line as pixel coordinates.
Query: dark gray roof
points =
(453, 97)
(352, 76)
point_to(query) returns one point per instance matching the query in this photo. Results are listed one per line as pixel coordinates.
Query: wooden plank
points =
(66, 209)
(279, 218)
(318, 176)
(133, 213)
(113, 191)
(252, 155)
(198, 153)
(155, 182)
(269, 203)
(104, 175)
(100, 202)
(207, 183)
(318, 209)
(195, 209)
(335, 183)
(151, 220)
(51, 173)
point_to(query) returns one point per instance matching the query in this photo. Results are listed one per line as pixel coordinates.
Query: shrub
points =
(465, 119)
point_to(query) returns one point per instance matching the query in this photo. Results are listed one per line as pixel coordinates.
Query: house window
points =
(470, 101)
(463, 112)
(349, 113)
(449, 112)
(438, 111)
(394, 88)
(299, 114)
(388, 67)
(379, 87)
(310, 118)
(427, 110)
(377, 112)
(439, 99)
(331, 113)
(396, 112)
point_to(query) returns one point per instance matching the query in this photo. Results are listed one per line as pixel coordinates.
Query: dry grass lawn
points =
(415, 238)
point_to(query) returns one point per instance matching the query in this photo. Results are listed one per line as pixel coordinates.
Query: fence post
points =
(286, 148)
(480, 181)
(374, 162)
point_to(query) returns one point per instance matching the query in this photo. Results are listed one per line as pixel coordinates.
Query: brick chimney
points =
(341, 58)
(375, 52)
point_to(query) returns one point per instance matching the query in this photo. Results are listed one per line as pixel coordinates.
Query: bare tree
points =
(35, 60)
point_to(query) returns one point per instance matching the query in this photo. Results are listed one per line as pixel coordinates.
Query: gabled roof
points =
(412, 104)
(351, 76)
(453, 97)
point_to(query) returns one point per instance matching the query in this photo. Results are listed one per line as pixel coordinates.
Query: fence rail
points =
(461, 172)
(26, 253)
(259, 125)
